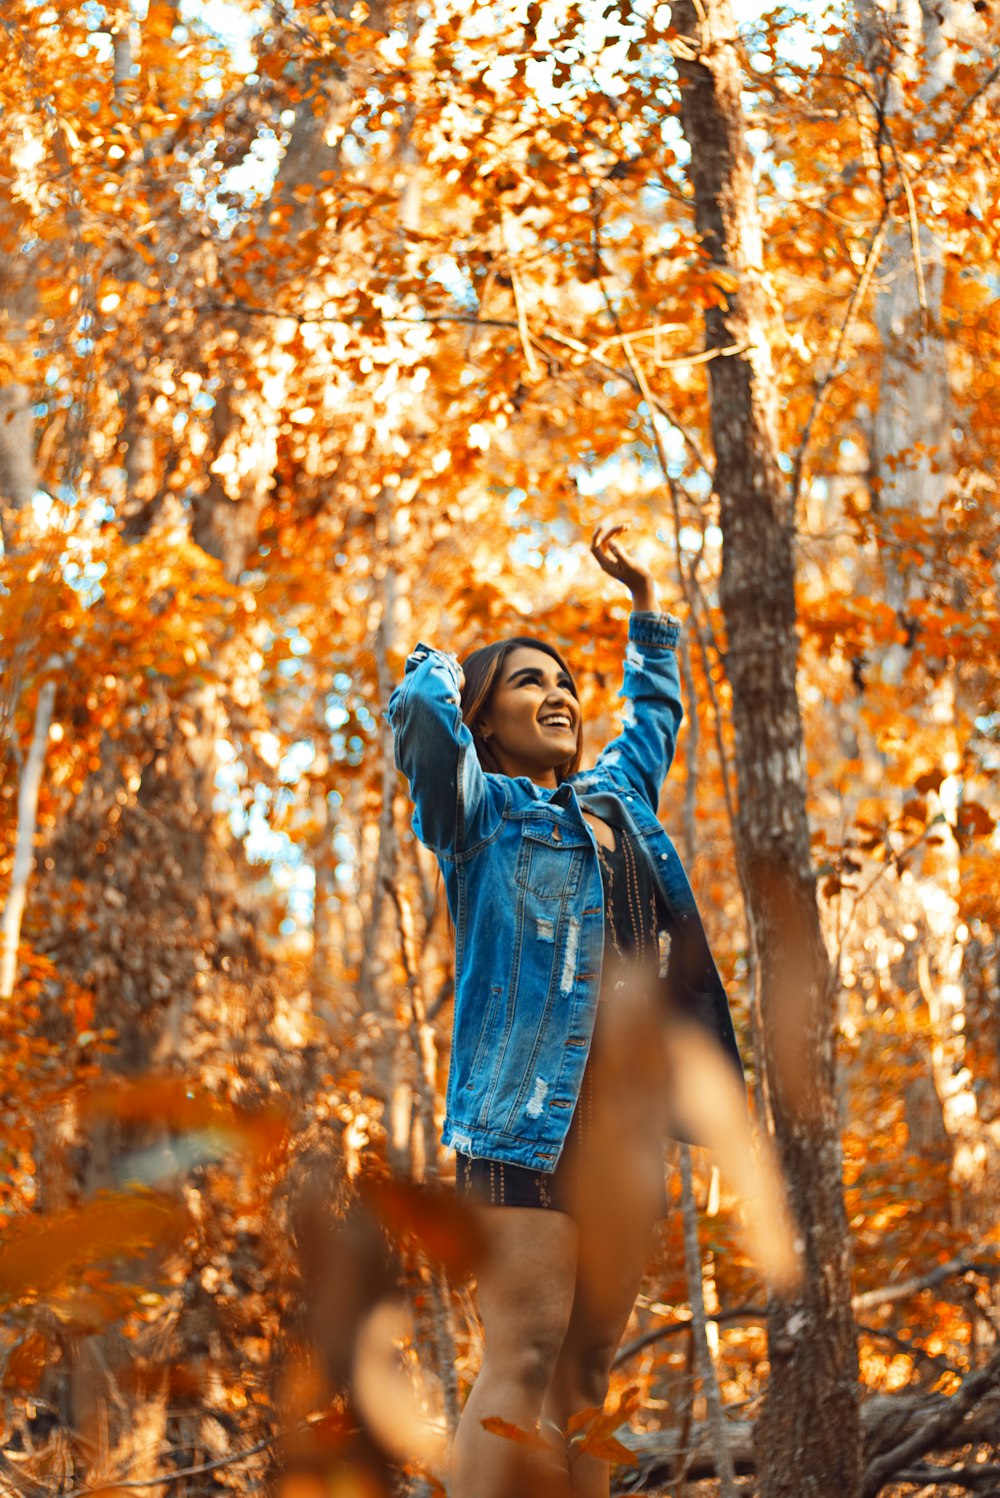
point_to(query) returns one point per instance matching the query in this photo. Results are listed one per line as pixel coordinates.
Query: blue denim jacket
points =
(523, 884)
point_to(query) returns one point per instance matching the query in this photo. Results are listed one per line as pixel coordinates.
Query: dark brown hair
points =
(482, 670)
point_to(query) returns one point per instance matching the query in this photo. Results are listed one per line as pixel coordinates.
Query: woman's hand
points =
(620, 564)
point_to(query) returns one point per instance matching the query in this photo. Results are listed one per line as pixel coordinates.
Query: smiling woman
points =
(521, 704)
(576, 935)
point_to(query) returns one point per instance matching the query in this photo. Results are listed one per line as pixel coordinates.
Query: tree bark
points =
(911, 471)
(18, 474)
(391, 1064)
(809, 1430)
(27, 826)
(704, 1365)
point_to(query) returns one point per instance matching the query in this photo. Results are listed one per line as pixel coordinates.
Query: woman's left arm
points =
(644, 750)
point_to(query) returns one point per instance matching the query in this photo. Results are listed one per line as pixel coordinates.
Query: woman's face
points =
(532, 722)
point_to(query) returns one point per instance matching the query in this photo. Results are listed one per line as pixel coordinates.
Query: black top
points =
(630, 902)
(640, 928)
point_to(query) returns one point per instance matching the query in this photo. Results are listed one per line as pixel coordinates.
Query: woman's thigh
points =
(526, 1284)
(618, 1195)
(613, 1251)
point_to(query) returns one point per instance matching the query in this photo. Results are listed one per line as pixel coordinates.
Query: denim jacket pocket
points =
(551, 859)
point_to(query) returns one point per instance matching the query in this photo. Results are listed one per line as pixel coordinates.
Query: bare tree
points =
(809, 1428)
(911, 474)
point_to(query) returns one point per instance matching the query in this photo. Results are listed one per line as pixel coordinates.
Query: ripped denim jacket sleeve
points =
(644, 750)
(435, 751)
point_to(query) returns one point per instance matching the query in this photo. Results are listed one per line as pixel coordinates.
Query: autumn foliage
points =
(339, 328)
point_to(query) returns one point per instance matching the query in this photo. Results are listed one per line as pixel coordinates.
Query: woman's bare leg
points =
(616, 1200)
(612, 1256)
(526, 1291)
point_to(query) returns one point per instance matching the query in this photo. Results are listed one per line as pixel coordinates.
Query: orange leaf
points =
(28, 1361)
(609, 1449)
(183, 1106)
(583, 1417)
(48, 1248)
(445, 1228)
(498, 1427)
(974, 820)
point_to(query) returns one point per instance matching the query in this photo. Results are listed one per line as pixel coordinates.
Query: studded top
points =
(630, 902)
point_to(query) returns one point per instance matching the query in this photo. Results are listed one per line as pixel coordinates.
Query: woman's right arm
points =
(454, 806)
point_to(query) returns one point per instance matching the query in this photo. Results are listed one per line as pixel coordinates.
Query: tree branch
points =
(935, 1429)
(952, 1269)
(181, 1472)
(943, 1477)
(886, 1295)
(552, 335)
(833, 369)
(931, 167)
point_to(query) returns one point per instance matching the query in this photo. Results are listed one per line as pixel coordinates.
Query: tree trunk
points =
(910, 474)
(17, 467)
(377, 997)
(809, 1429)
(18, 476)
(27, 826)
(704, 1364)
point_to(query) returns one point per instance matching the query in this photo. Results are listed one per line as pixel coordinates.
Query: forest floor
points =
(746, 1487)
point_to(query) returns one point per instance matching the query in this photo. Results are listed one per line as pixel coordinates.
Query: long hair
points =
(482, 670)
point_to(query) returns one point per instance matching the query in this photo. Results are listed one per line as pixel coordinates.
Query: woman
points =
(575, 933)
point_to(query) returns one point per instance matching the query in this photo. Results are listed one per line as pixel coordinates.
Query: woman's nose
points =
(561, 699)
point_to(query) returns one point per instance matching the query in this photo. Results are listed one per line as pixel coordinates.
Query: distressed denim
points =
(524, 889)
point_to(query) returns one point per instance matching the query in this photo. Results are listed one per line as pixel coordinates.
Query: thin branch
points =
(552, 335)
(684, 1454)
(729, 352)
(628, 377)
(522, 317)
(651, 332)
(890, 863)
(945, 1422)
(911, 209)
(932, 165)
(29, 789)
(833, 369)
(181, 1472)
(934, 156)
(943, 1477)
(885, 1295)
(517, 325)
(720, 746)
(880, 111)
(522, 323)
(703, 1363)
(683, 1324)
(952, 1270)
(689, 583)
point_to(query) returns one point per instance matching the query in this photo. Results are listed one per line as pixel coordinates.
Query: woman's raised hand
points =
(621, 564)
